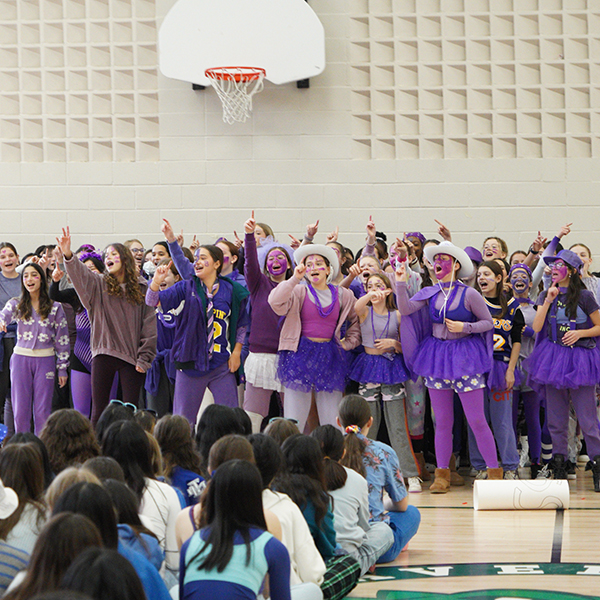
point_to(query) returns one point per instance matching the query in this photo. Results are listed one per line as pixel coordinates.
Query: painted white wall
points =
(293, 162)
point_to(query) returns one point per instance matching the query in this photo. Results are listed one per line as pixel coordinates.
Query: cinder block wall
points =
(483, 114)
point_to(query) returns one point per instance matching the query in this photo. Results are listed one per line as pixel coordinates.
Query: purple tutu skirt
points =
(562, 367)
(322, 366)
(452, 359)
(376, 368)
(496, 379)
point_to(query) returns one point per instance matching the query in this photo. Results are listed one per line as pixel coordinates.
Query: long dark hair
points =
(305, 478)
(216, 421)
(426, 280)
(354, 412)
(133, 291)
(574, 290)
(174, 436)
(128, 444)
(26, 437)
(332, 446)
(127, 506)
(94, 502)
(21, 468)
(104, 575)
(500, 294)
(227, 514)
(24, 307)
(61, 540)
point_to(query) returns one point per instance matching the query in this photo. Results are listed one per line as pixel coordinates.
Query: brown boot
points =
(441, 483)
(423, 472)
(455, 478)
(497, 473)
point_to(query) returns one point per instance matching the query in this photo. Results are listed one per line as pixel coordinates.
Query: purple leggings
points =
(531, 405)
(442, 405)
(557, 411)
(189, 391)
(32, 380)
(257, 400)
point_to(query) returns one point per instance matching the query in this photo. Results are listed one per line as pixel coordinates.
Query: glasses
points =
(273, 419)
(138, 250)
(133, 407)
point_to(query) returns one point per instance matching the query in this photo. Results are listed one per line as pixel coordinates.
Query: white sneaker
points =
(414, 485)
(511, 474)
(482, 474)
(545, 472)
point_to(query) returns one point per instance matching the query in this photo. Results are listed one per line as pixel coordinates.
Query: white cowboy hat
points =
(466, 264)
(9, 501)
(321, 250)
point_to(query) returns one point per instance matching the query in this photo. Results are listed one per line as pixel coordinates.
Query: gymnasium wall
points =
(483, 114)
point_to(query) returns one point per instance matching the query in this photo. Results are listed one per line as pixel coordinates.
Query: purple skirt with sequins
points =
(377, 368)
(496, 379)
(563, 367)
(322, 366)
(452, 359)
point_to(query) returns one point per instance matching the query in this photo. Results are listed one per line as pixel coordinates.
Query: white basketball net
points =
(235, 87)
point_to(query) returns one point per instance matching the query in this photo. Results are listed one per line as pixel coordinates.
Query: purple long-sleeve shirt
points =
(36, 336)
(264, 324)
(473, 301)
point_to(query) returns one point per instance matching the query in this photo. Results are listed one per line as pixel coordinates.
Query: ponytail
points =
(332, 446)
(354, 414)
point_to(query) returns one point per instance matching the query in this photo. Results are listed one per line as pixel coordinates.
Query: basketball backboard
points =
(283, 37)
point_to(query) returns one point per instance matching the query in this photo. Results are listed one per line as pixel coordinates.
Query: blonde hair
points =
(66, 479)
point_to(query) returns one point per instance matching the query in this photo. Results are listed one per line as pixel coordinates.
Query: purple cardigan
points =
(287, 299)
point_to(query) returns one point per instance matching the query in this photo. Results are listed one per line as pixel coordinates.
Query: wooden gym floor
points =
(463, 554)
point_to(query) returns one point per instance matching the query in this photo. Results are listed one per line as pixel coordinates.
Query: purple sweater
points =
(41, 337)
(119, 328)
(264, 324)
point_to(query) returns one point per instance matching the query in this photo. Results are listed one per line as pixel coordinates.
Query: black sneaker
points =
(594, 467)
(559, 467)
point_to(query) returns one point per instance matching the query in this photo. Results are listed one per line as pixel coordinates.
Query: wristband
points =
(532, 251)
(308, 239)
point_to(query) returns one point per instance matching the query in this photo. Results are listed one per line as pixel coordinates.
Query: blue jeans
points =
(404, 525)
(498, 412)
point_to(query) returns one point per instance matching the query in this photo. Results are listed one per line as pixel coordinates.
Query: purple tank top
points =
(376, 327)
(316, 326)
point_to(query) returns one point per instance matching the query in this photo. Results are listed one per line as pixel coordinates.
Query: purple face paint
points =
(519, 281)
(442, 265)
(560, 271)
(277, 263)
(225, 258)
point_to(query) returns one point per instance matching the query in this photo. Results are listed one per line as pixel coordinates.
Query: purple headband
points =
(521, 266)
(416, 234)
(87, 255)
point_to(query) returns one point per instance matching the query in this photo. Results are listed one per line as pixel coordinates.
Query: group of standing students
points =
(305, 324)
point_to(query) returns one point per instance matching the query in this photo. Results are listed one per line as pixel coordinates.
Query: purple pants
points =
(32, 379)
(442, 404)
(189, 391)
(557, 411)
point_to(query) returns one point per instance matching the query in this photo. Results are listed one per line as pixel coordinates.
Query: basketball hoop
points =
(235, 87)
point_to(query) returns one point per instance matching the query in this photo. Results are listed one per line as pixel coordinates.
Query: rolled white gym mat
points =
(537, 494)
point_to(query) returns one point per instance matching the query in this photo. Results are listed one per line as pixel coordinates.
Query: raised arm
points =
(406, 306)
(87, 284)
(184, 267)
(252, 270)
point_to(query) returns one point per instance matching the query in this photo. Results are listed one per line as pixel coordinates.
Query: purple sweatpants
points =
(557, 411)
(32, 379)
(189, 391)
(442, 404)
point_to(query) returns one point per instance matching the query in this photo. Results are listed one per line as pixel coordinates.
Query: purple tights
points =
(531, 405)
(443, 408)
